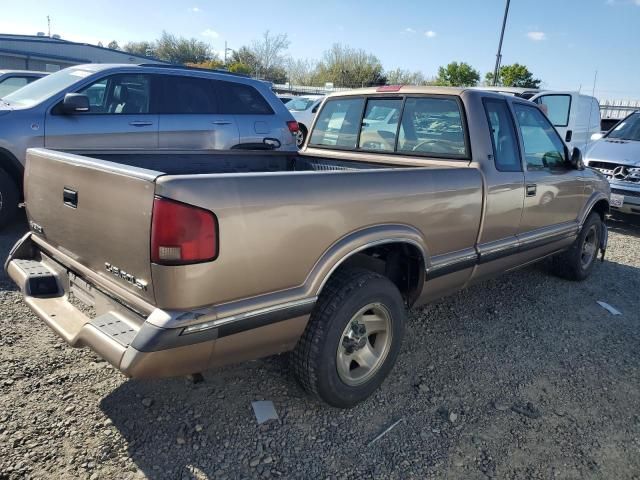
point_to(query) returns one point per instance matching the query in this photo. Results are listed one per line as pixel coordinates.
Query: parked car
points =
(304, 110)
(12, 80)
(136, 107)
(192, 263)
(285, 98)
(616, 154)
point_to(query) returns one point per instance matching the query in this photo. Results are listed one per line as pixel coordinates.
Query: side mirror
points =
(597, 136)
(75, 103)
(576, 159)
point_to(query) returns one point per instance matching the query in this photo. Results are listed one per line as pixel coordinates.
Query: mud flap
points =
(604, 241)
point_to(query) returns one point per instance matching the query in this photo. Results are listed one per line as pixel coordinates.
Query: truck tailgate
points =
(94, 211)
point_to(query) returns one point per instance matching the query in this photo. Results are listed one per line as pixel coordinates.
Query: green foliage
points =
(515, 75)
(173, 49)
(458, 75)
(349, 67)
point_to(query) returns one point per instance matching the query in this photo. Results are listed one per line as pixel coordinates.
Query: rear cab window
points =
(415, 125)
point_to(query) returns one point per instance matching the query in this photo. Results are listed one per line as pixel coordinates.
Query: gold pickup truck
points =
(169, 263)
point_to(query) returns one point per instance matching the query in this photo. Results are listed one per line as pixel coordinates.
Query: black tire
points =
(572, 264)
(301, 136)
(314, 360)
(9, 198)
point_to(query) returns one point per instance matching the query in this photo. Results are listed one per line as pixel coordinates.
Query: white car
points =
(304, 110)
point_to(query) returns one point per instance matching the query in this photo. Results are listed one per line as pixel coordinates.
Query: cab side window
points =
(126, 94)
(543, 147)
(506, 153)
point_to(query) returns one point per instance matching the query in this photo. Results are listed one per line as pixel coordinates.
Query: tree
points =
(113, 45)
(269, 51)
(406, 77)
(349, 67)
(301, 72)
(215, 64)
(245, 59)
(182, 50)
(458, 75)
(140, 48)
(237, 67)
(100, 44)
(515, 75)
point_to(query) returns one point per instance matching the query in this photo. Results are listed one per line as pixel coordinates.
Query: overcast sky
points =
(563, 42)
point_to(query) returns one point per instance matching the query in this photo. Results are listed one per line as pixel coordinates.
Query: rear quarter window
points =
(241, 99)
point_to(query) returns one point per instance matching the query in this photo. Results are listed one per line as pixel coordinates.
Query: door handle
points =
(140, 124)
(221, 122)
(531, 190)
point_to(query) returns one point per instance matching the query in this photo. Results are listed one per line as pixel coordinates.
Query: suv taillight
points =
(293, 126)
(182, 234)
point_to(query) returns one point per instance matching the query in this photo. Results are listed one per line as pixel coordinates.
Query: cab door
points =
(554, 191)
(119, 117)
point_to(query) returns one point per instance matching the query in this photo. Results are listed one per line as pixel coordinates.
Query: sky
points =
(563, 42)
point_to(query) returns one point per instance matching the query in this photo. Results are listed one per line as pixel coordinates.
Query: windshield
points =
(44, 88)
(299, 104)
(627, 129)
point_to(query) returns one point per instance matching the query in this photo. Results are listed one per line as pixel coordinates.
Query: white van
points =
(575, 116)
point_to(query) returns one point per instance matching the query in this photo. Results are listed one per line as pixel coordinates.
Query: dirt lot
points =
(521, 377)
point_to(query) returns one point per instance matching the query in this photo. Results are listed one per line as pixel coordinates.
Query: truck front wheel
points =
(352, 339)
(9, 197)
(577, 262)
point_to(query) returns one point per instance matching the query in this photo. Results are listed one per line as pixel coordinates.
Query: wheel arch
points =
(10, 164)
(396, 251)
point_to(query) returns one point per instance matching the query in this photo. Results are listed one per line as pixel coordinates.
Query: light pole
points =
(499, 54)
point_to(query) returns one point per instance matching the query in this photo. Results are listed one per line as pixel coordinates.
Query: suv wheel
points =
(577, 262)
(9, 197)
(352, 339)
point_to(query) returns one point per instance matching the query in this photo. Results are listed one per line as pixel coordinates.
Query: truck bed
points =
(208, 162)
(278, 215)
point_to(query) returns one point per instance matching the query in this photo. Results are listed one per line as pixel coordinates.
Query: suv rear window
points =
(240, 99)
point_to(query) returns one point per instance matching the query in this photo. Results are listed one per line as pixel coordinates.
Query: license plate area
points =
(616, 200)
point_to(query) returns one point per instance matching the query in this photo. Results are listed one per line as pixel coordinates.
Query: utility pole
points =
(226, 49)
(499, 55)
(48, 26)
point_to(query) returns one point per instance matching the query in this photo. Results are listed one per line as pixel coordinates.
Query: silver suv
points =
(131, 107)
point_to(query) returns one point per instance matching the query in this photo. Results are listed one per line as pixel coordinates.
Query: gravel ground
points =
(521, 377)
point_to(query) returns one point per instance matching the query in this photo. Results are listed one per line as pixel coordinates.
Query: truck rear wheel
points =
(352, 339)
(577, 262)
(9, 197)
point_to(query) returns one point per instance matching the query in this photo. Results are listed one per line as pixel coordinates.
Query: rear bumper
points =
(84, 315)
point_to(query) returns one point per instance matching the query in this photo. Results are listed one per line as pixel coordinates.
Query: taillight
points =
(182, 234)
(293, 126)
(389, 88)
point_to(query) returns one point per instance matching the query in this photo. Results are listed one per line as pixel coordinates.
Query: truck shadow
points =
(10, 235)
(625, 224)
(504, 329)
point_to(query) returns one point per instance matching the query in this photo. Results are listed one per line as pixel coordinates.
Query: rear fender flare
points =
(358, 241)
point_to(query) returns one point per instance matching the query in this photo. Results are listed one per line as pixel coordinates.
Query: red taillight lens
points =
(182, 234)
(293, 126)
(389, 88)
